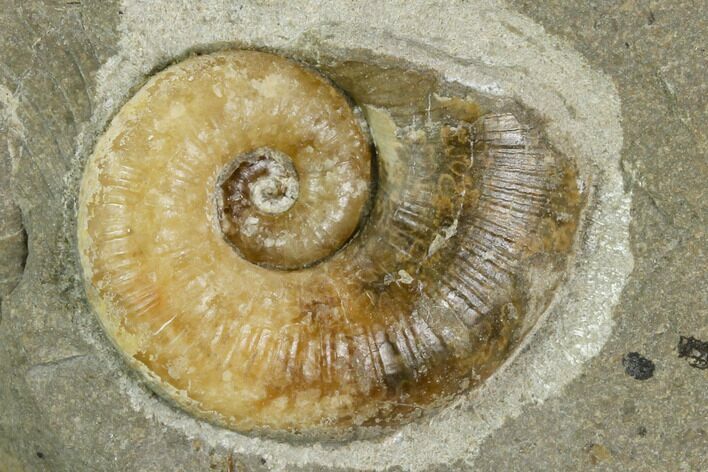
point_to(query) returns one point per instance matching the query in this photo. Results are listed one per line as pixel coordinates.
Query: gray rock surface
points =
(68, 403)
(655, 52)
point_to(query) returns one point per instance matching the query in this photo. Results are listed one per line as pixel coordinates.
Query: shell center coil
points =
(255, 193)
(264, 178)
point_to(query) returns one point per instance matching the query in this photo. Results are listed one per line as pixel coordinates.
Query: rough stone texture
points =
(655, 54)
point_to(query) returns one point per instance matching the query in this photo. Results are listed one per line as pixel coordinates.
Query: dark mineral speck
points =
(638, 366)
(695, 350)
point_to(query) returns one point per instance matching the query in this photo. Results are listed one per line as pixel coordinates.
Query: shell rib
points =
(380, 312)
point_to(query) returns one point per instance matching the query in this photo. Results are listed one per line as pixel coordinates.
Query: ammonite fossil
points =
(277, 251)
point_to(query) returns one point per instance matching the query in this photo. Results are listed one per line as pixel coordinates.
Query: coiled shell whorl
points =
(248, 252)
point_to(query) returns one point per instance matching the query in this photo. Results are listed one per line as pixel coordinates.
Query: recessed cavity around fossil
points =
(434, 257)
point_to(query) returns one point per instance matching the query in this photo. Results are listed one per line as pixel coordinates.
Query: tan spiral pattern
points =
(246, 251)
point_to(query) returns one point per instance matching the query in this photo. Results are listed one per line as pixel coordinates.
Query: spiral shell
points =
(246, 250)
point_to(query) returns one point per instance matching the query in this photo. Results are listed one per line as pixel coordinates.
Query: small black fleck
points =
(263, 461)
(695, 350)
(40, 455)
(626, 45)
(638, 366)
(651, 19)
(642, 431)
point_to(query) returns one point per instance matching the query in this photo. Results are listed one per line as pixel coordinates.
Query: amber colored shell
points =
(419, 264)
